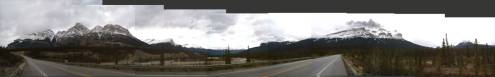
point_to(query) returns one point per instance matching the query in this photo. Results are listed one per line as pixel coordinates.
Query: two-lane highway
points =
(40, 68)
(330, 66)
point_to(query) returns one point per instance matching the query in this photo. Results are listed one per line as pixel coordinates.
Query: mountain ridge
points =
(365, 29)
(80, 36)
(468, 44)
(360, 35)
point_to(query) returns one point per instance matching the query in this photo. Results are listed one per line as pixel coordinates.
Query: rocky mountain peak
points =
(365, 29)
(80, 36)
(154, 41)
(116, 29)
(76, 30)
(368, 24)
(79, 28)
(97, 28)
(466, 43)
(39, 35)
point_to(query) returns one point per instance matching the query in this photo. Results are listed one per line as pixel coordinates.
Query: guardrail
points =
(350, 68)
(185, 68)
(18, 71)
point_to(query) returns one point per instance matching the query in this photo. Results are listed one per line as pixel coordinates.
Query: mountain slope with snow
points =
(115, 29)
(40, 39)
(77, 30)
(39, 35)
(154, 41)
(468, 44)
(80, 36)
(364, 29)
(108, 35)
(97, 28)
(363, 35)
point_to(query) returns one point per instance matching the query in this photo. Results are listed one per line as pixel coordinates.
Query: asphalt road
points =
(40, 68)
(330, 66)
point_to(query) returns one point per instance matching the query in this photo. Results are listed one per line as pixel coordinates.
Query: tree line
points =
(447, 60)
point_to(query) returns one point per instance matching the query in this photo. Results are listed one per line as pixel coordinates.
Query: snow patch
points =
(364, 29)
(153, 41)
(39, 35)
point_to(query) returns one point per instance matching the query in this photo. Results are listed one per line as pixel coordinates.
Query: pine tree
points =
(443, 43)
(248, 56)
(475, 41)
(206, 59)
(162, 58)
(476, 57)
(446, 40)
(227, 56)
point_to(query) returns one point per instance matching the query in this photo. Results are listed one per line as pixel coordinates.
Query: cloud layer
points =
(216, 28)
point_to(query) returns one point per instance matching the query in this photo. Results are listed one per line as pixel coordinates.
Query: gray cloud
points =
(213, 21)
(26, 16)
(18, 17)
(265, 30)
(369, 23)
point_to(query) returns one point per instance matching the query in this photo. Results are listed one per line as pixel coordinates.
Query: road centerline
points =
(72, 72)
(260, 68)
(326, 66)
(29, 61)
(289, 69)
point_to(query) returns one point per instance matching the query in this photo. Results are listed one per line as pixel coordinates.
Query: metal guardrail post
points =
(18, 71)
(354, 72)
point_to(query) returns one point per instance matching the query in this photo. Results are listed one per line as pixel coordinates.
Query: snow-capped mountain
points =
(77, 30)
(364, 29)
(40, 39)
(154, 41)
(357, 35)
(468, 44)
(97, 28)
(115, 29)
(108, 35)
(39, 35)
(80, 30)
(109, 29)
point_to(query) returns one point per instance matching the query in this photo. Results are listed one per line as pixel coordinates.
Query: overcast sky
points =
(216, 29)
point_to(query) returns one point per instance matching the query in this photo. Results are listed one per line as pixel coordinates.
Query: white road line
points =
(35, 67)
(288, 69)
(104, 70)
(326, 66)
(172, 75)
(72, 72)
(318, 74)
(263, 68)
(101, 70)
(246, 70)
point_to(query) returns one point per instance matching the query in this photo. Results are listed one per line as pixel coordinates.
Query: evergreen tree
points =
(248, 56)
(443, 43)
(162, 58)
(227, 56)
(446, 40)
